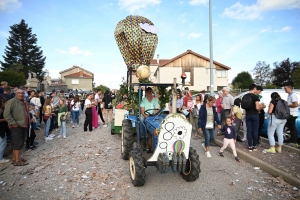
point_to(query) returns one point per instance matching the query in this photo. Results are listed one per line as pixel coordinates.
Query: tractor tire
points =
(192, 169)
(127, 139)
(137, 168)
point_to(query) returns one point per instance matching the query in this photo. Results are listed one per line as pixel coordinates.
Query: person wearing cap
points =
(150, 105)
(259, 89)
(17, 115)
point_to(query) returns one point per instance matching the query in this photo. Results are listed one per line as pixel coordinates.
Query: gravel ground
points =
(88, 166)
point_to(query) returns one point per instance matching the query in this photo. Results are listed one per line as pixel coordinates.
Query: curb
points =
(264, 166)
(284, 147)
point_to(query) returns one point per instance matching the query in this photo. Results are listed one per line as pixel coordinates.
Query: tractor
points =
(166, 136)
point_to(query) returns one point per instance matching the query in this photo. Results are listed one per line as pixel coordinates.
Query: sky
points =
(82, 32)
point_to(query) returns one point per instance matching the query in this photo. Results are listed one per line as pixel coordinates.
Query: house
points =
(195, 66)
(55, 81)
(77, 78)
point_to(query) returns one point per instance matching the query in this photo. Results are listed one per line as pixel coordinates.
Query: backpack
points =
(282, 110)
(247, 102)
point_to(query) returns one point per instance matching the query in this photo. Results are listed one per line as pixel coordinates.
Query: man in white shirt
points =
(98, 98)
(227, 103)
(292, 102)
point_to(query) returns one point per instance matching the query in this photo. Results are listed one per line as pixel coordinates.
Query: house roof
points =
(78, 74)
(164, 62)
(75, 67)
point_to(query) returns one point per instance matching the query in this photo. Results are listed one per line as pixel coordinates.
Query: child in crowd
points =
(230, 138)
(62, 117)
(237, 112)
(30, 133)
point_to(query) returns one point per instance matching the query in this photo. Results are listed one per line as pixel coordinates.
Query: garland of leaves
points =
(164, 96)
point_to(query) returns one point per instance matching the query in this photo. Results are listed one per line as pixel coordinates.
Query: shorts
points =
(17, 137)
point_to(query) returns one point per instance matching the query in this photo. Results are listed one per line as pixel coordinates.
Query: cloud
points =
(215, 24)
(194, 35)
(133, 5)
(198, 2)
(4, 34)
(265, 30)
(9, 5)
(284, 29)
(75, 51)
(241, 12)
(182, 18)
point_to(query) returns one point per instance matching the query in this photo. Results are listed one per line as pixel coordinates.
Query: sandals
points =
(22, 160)
(20, 163)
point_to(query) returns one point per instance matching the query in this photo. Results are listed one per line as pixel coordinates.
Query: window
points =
(221, 73)
(75, 81)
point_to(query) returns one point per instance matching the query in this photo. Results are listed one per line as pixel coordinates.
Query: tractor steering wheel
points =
(148, 113)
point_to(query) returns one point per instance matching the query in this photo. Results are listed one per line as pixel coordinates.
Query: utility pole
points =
(211, 49)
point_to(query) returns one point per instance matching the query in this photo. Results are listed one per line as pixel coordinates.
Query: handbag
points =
(195, 112)
(209, 125)
(46, 117)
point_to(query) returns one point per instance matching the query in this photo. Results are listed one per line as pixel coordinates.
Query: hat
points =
(32, 104)
(259, 88)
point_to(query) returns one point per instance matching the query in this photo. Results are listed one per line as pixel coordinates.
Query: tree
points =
(262, 73)
(283, 72)
(296, 78)
(242, 80)
(14, 78)
(22, 51)
(103, 88)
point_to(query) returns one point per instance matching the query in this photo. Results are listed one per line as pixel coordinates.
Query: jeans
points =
(220, 116)
(75, 116)
(209, 136)
(278, 126)
(3, 143)
(47, 127)
(142, 128)
(252, 122)
(237, 126)
(63, 128)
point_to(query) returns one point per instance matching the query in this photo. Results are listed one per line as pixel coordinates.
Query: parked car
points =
(266, 93)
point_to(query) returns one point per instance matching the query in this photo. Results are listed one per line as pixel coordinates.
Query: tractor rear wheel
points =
(137, 168)
(127, 139)
(192, 169)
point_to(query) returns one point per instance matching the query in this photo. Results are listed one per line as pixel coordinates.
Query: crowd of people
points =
(24, 110)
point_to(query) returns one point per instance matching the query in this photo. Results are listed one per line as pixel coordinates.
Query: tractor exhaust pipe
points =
(174, 97)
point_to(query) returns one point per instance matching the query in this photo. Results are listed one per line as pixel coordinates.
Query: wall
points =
(72, 71)
(84, 83)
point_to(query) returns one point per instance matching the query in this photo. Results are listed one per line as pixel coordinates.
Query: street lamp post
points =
(211, 49)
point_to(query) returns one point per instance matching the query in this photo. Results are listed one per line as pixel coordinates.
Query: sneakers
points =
(4, 161)
(77, 125)
(271, 150)
(244, 139)
(207, 154)
(104, 125)
(237, 159)
(220, 154)
(250, 149)
(73, 126)
(51, 135)
(254, 148)
(48, 138)
(64, 137)
(59, 136)
(278, 150)
(296, 145)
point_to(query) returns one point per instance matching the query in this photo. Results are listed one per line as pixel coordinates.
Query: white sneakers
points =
(48, 138)
(244, 139)
(105, 125)
(59, 136)
(51, 135)
(4, 161)
(207, 154)
(64, 137)
(77, 125)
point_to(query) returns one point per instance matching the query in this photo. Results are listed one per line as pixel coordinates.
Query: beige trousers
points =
(107, 114)
(230, 142)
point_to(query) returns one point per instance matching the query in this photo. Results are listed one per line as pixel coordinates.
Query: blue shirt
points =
(229, 132)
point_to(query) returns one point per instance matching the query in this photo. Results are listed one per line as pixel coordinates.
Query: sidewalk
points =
(285, 164)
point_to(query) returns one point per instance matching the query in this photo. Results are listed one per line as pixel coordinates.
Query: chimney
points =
(81, 74)
(158, 59)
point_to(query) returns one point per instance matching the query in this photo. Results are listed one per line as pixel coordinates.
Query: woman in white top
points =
(37, 104)
(88, 113)
(75, 103)
(194, 120)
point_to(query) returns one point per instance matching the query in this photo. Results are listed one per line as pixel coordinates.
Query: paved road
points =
(88, 166)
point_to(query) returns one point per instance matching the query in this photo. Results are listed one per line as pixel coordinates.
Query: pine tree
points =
(22, 53)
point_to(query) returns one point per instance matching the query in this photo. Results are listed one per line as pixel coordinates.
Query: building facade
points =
(77, 78)
(195, 66)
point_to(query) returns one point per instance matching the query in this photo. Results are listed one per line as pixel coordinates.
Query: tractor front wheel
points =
(137, 168)
(127, 139)
(192, 169)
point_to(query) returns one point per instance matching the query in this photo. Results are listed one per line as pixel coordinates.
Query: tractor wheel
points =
(126, 139)
(137, 168)
(192, 169)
